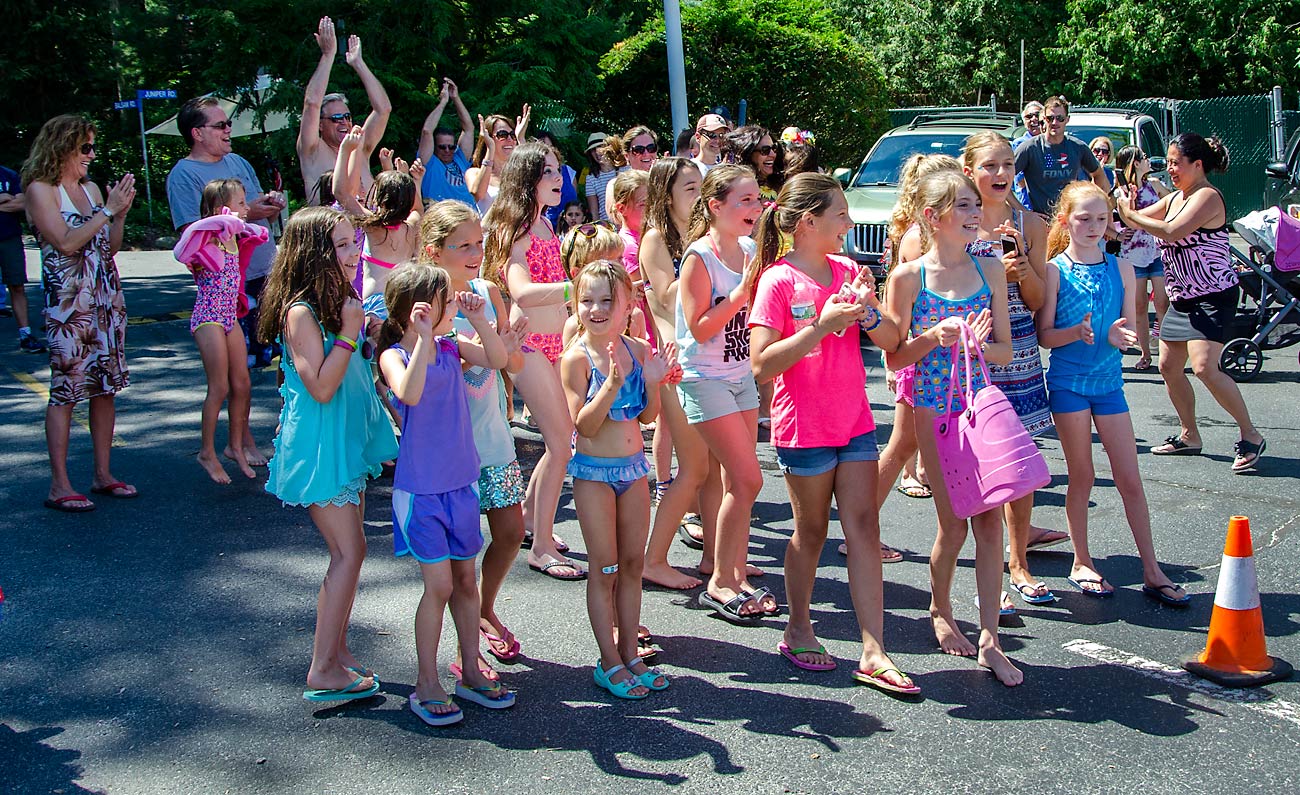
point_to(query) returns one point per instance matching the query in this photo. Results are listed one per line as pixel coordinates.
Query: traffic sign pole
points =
(144, 149)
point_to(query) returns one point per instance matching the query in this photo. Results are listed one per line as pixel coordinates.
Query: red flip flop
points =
(61, 504)
(110, 490)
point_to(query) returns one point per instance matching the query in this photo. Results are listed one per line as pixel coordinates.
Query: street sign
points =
(155, 93)
(130, 103)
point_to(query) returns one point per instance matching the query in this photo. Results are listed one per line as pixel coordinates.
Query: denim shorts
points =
(1063, 401)
(809, 461)
(709, 399)
(1154, 270)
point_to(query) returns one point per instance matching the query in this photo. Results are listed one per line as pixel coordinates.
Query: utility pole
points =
(676, 66)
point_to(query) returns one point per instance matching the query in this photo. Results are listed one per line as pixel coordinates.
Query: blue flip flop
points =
(343, 694)
(1026, 592)
(494, 697)
(422, 711)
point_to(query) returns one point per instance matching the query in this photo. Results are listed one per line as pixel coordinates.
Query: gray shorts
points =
(708, 399)
(13, 262)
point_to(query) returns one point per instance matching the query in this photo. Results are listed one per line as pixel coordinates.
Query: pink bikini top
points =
(545, 265)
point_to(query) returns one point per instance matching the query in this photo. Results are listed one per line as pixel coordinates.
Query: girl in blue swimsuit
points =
(611, 382)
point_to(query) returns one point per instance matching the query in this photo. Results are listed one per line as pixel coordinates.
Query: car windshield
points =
(885, 163)
(1120, 137)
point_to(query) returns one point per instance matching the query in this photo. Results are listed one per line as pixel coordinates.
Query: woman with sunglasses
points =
(637, 149)
(1102, 149)
(753, 146)
(79, 232)
(497, 139)
(1132, 172)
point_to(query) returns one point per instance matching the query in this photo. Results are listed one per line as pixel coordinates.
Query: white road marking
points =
(1257, 700)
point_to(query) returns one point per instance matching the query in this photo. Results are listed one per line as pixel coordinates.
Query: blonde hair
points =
(626, 185)
(907, 210)
(938, 193)
(578, 249)
(1072, 195)
(440, 222)
(981, 142)
(614, 274)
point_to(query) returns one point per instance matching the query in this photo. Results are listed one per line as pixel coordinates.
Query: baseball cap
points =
(712, 121)
(594, 140)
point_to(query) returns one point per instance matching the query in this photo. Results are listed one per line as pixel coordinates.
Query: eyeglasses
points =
(586, 230)
(221, 125)
(711, 134)
(641, 150)
(765, 150)
(505, 135)
(1056, 117)
(87, 149)
(1031, 117)
(1101, 150)
(445, 147)
(338, 116)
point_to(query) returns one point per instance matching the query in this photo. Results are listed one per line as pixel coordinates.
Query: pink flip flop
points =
(792, 655)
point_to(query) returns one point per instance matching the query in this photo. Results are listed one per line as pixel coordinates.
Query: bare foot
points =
(951, 641)
(240, 457)
(213, 467)
(992, 658)
(253, 455)
(667, 577)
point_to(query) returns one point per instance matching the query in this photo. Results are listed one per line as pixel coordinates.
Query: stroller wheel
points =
(1241, 359)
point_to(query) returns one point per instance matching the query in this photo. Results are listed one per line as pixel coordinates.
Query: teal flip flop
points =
(343, 694)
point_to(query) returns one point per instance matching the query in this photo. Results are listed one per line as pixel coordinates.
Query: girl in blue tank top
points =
(1087, 321)
(435, 504)
(931, 296)
(334, 434)
(611, 383)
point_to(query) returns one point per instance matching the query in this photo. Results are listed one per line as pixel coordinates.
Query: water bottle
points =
(803, 310)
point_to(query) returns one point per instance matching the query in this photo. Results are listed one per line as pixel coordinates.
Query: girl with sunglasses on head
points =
(497, 140)
(1138, 246)
(637, 149)
(673, 189)
(522, 257)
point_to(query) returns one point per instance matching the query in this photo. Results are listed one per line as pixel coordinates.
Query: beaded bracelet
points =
(568, 287)
(879, 318)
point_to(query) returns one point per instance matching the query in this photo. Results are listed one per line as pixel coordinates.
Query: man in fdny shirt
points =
(1050, 161)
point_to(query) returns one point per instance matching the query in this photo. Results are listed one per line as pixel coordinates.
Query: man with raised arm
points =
(326, 119)
(444, 154)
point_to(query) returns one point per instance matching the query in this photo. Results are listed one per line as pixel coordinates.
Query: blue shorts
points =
(705, 399)
(1063, 401)
(619, 473)
(809, 461)
(435, 527)
(1154, 270)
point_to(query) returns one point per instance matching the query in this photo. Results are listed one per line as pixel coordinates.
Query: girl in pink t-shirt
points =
(809, 309)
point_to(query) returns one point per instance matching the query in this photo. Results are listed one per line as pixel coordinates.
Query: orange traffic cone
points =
(1235, 654)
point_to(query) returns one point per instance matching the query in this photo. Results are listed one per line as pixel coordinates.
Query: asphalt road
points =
(159, 645)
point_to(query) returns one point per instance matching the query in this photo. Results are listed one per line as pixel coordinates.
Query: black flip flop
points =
(1157, 592)
(688, 539)
(1249, 454)
(1176, 447)
(730, 611)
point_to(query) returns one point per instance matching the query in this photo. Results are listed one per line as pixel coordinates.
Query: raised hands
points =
(353, 140)
(472, 306)
(353, 317)
(386, 162)
(417, 171)
(1121, 336)
(422, 319)
(326, 38)
(121, 195)
(614, 381)
(521, 122)
(485, 134)
(662, 365)
(353, 55)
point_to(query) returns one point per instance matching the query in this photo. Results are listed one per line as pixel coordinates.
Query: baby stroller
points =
(1269, 317)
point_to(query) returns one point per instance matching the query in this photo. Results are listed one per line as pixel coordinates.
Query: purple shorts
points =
(435, 527)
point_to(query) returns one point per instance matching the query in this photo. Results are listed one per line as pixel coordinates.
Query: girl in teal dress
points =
(334, 434)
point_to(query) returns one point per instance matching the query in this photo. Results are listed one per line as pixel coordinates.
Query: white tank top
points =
(724, 356)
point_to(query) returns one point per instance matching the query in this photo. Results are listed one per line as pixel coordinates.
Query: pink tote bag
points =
(988, 458)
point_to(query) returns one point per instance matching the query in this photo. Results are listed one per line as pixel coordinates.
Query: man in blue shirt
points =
(13, 261)
(1032, 116)
(445, 157)
(1050, 161)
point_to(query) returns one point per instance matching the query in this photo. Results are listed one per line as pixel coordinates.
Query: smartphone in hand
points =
(1009, 246)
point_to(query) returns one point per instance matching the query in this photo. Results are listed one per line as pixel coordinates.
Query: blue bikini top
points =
(630, 400)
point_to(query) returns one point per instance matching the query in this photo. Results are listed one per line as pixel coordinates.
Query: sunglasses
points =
(1101, 150)
(505, 135)
(338, 117)
(765, 150)
(586, 230)
(1031, 117)
(1055, 117)
(711, 135)
(647, 149)
(221, 125)
(445, 147)
(87, 149)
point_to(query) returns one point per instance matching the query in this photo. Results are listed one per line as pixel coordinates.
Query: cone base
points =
(1279, 670)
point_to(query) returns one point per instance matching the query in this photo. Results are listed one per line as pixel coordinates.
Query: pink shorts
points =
(903, 385)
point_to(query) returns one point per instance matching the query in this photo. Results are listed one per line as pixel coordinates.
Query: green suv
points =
(872, 189)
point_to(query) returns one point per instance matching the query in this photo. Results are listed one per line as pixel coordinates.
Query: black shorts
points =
(1209, 317)
(13, 262)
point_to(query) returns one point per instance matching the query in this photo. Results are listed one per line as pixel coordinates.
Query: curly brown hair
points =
(306, 270)
(59, 138)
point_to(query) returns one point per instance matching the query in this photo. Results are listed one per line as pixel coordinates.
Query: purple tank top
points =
(437, 451)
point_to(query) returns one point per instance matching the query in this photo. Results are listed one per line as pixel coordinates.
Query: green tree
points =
(787, 58)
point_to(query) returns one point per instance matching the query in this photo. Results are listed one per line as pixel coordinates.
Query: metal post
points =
(1279, 127)
(742, 112)
(993, 103)
(1022, 74)
(144, 149)
(676, 66)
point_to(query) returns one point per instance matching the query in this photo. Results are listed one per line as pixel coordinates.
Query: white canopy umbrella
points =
(243, 113)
